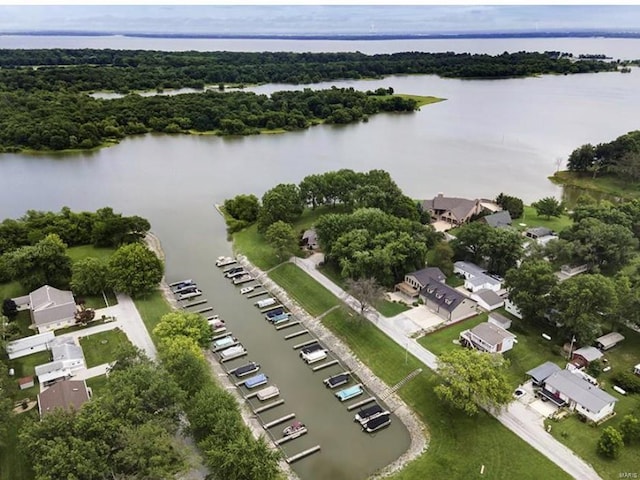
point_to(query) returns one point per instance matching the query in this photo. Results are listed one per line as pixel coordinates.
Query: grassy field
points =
(151, 309)
(314, 298)
(84, 251)
(99, 348)
(97, 384)
(390, 309)
(532, 219)
(11, 290)
(13, 464)
(459, 444)
(603, 184)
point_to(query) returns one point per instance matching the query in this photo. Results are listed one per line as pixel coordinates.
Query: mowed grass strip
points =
(309, 294)
(151, 309)
(459, 445)
(101, 347)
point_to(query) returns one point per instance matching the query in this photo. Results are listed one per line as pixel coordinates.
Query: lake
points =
(489, 136)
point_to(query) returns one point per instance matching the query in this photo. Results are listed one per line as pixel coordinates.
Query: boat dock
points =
(195, 304)
(269, 406)
(202, 310)
(296, 334)
(360, 403)
(175, 284)
(278, 421)
(257, 294)
(232, 357)
(304, 344)
(222, 335)
(288, 438)
(303, 454)
(324, 365)
(292, 324)
(272, 307)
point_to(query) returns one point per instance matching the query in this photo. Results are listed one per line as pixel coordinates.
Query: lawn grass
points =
(390, 309)
(97, 301)
(84, 251)
(441, 341)
(604, 184)
(11, 290)
(531, 219)
(312, 296)
(100, 348)
(25, 366)
(97, 384)
(14, 465)
(151, 309)
(459, 445)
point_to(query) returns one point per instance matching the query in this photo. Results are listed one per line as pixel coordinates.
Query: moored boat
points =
(315, 356)
(232, 269)
(349, 393)
(282, 319)
(377, 423)
(239, 273)
(267, 302)
(181, 283)
(267, 393)
(279, 318)
(273, 313)
(242, 279)
(224, 261)
(369, 413)
(232, 352)
(336, 380)
(224, 342)
(256, 380)
(295, 429)
(246, 369)
(190, 294)
(310, 349)
(245, 290)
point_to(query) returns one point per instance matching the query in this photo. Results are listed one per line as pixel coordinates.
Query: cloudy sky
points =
(316, 19)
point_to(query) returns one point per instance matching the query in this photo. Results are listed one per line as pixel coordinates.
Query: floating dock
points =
(269, 406)
(202, 310)
(272, 307)
(257, 294)
(280, 420)
(303, 454)
(288, 438)
(296, 334)
(188, 280)
(360, 403)
(232, 357)
(222, 335)
(292, 324)
(195, 304)
(324, 365)
(304, 344)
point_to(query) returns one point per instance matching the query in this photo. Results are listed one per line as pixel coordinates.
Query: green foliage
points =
(628, 381)
(549, 207)
(630, 429)
(529, 287)
(582, 158)
(283, 203)
(442, 258)
(89, 276)
(594, 368)
(513, 205)
(282, 238)
(179, 323)
(366, 291)
(620, 157)
(135, 270)
(6, 405)
(473, 379)
(243, 207)
(184, 360)
(610, 442)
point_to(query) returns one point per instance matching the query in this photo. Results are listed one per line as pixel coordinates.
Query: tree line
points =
(620, 157)
(126, 70)
(62, 120)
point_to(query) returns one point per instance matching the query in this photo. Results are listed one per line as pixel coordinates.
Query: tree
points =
(472, 240)
(6, 405)
(183, 358)
(473, 379)
(582, 303)
(504, 249)
(443, 258)
(282, 238)
(282, 202)
(549, 207)
(9, 308)
(135, 270)
(366, 291)
(513, 205)
(45, 263)
(179, 323)
(243, 207)
(610, 442)
(89, 276)
(582, 158)
(630, 429)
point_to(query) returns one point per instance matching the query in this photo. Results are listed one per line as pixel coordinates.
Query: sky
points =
(316, 19)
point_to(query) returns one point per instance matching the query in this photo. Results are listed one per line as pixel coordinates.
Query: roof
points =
(610, 339)
(25, 380)
(67, 394)
(30, 342)
(544, 371)
(48, 372)
(65, 349)
(49, 305)
(498, 219)
(588, 353)
(498, 317)
(537, 232)
(427, 274)
(490, 333)
(470, 268)
(442, 294)
(579, 390)
(459, 207)
(489, 297)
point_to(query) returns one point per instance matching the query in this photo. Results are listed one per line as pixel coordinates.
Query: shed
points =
(610, 340)
(500, 320)
(585, 355)
(26, 382)
(488, 299)
(542, 372)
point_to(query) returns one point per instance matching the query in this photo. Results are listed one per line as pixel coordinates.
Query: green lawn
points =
(459, 445)
(83, 251)
(313, 297)
(11, 290)
(391, 309)
(13, 464)
(441, 341)
(604, 184)
(100, 347)
(97, 384)
(151, 309)
(25, 366)
(531, 219)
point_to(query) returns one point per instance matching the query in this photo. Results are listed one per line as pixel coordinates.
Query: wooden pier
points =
(278, 421)
(296, 334)
(324, 365)
(222, 335)
(195, 304)
(269, 406)
(241, 280)
(237, 355)
(272, 307)
(288, 438)
(257, 294)
(303, 454)
(304, 344)
(360, 403)
(292, 324)
(202, 310)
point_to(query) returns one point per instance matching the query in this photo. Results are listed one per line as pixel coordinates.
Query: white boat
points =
(242, 279)
(224, 342)
(191, 294)
(267, 302)
(223, 261)
(232, 352)
(315, 356)
(295, 430)
(245, 290)
(267, 393)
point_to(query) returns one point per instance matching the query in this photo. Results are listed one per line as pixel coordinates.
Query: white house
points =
(51, 308)
(512, 308)
(476, 278)
(28, 345)
(488, 337)
(565, 388)
(67, 357)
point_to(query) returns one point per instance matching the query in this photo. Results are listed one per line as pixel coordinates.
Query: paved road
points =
(517, 417)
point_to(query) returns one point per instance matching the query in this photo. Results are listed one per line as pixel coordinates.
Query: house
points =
(542, 372)
(585, 355)
(610, 340)
(67, 357)
(309, 239)
(512, 308)
(452, 210)
(488, 337)
(67, 395)
(26, 382)
(540, 235)
(499, 320)
(500, 219)
(476, 278)
(447, 302)
(488, 299)
(568, 271)
(416, 281)
(28, 345)
(51, 308)
(565, 388)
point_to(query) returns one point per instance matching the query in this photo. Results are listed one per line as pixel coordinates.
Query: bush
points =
(627, 381)
(610, 443)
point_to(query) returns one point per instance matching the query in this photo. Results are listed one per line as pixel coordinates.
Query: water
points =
(487, 137)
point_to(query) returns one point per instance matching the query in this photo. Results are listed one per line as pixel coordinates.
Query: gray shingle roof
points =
(537, 232)
(425, 275)
(589, 353)
(579, 390)
(489, 297)
(544, 371)
(65, 349)
(459, 207)
(490, 333)
(49, 305)
(442, 294)
(500, 318)
(610, 339)
(498, 219)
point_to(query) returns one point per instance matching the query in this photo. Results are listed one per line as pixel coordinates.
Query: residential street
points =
(518, 417)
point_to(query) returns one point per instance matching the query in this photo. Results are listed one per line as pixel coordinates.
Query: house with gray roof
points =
(488, 299)
(610, 340)
(501, 219)
(585, 355)
(66, 358)
(416, 281)
(447, 302)
(51, 308)
(28, 345)
(476, 278)
(542, 372)
(488, 338)
(565, 388)
(66, 395)
(452, 210)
